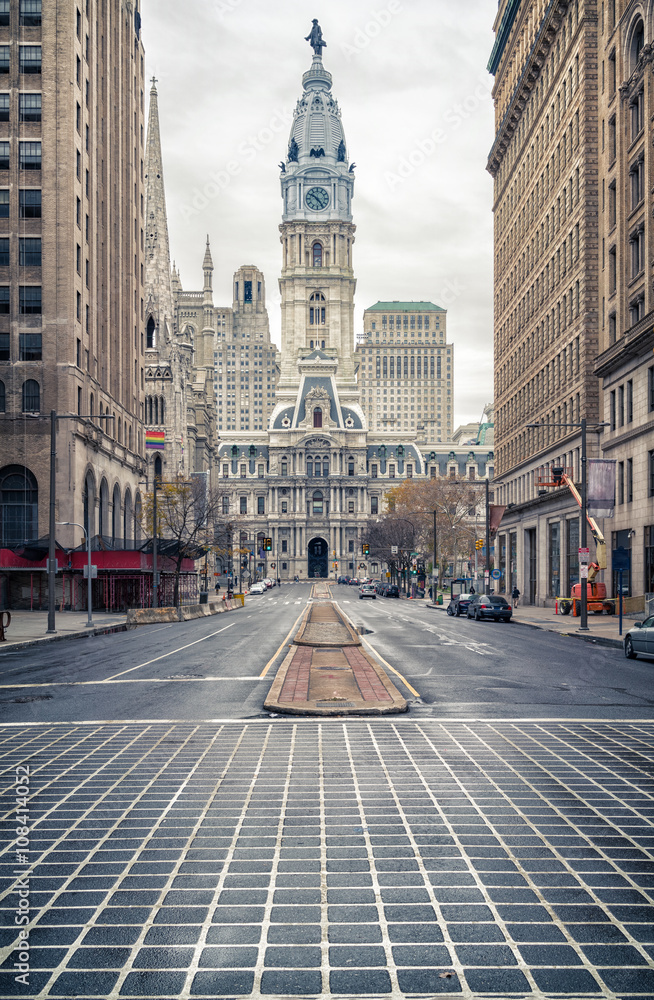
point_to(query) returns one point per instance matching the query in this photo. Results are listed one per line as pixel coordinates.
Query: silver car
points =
(640, 639)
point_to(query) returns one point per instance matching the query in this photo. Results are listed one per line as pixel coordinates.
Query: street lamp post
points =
(89, 588)
(54, 417)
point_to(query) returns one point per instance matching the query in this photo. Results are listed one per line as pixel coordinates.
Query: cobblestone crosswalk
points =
(359, 858)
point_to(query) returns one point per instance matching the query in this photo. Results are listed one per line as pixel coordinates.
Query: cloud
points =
(226, 67)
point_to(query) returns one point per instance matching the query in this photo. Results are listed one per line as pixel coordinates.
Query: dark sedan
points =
(489, 606)
(392, 591)
(459, 604)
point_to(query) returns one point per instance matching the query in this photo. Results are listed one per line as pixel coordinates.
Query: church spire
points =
(157, 251)
(207, 263)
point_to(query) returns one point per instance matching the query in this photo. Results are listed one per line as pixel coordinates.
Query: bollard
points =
(5, 622)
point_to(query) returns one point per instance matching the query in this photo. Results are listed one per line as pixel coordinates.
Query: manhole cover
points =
(335, 704)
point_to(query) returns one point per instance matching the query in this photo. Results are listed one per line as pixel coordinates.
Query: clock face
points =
(317, 199)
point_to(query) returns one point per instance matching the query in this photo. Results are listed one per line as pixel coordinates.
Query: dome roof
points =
(317, 130)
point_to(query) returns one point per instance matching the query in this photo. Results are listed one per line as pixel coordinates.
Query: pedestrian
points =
(472, 589)
(515, 594)
(279, 581)
(431, 591)
(217, 586)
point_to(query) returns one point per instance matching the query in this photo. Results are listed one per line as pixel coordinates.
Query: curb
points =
(86, 634)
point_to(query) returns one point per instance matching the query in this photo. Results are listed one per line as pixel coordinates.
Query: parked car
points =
(367, 590)
(258, 588)
(489, 606)
(459, 604)
(268, 583)
(640, 639)
(392, 590)
(354, 582)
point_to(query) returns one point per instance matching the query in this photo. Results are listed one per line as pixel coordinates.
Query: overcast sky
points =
(410, 77)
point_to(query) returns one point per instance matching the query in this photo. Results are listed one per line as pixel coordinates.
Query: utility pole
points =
(54, 417)
(488, 566)
(584, 527)
(155, 575)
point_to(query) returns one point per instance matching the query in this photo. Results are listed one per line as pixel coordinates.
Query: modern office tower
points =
(544, 164)
(406, 370)
(71, 266)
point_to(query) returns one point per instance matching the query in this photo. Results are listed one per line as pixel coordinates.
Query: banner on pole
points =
(601, 487)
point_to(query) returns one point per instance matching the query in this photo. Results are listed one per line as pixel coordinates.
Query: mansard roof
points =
(405, 307)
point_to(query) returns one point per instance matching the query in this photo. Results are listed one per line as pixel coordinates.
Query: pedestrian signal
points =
(365, 548)
(267, 544)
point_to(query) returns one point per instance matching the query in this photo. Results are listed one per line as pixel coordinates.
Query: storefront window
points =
(572, 549)
(502, 566)
(513, 560)
(649, 559)
(554, 558)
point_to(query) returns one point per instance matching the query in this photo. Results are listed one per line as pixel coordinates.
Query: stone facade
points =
(406, 370)
(314, 478)
(72, 268)
(179, 355)
(625, 365)
(544, 163)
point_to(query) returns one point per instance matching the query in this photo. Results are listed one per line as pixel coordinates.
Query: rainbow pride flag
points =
(155, 440)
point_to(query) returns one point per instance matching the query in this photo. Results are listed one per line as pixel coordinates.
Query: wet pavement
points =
(357, 858)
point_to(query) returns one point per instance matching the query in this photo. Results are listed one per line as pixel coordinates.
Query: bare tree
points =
(187, 512)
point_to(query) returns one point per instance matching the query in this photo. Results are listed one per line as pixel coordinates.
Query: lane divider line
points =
(387, 664)
(164, 655)
(284, 643)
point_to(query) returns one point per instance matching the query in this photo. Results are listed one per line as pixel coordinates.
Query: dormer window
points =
(317, 417)
(316, 253)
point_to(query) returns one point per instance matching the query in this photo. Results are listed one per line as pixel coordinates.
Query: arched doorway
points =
(318, 559)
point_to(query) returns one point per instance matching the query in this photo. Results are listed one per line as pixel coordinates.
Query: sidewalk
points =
(601, 628)
(29, 627)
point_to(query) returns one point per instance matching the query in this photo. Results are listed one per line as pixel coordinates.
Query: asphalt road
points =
(222, 667)
(479, 670)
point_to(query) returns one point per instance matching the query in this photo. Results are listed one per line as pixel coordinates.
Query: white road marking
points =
(171, 653)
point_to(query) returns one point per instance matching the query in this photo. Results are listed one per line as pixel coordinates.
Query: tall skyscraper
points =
(71, 265)
(406, 370)
(544, 163)
(625, 365)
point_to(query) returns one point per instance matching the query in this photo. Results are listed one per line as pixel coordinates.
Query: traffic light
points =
(479, 543)
(365, 548)
(267, 544)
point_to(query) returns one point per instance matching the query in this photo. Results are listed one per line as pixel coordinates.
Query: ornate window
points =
(316, 254)
(149, 342)
(317, 417)
(636, 45)
(317, 504)
(18, 505)
(317, 314)
(31, 396)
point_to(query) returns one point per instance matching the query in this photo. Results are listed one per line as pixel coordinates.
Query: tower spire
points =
(157, 250)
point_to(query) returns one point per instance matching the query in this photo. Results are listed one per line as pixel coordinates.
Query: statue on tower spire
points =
(315, 39)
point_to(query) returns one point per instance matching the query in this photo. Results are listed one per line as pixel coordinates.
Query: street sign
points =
(584, 556)
(621, 559)
(94, 572)
(496, 574)
(388, 575)
(393, 550)
(47, 565)
(583, 571)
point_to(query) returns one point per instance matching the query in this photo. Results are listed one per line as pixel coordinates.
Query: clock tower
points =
(317, 233)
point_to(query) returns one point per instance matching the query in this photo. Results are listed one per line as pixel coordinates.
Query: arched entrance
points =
(318, 559)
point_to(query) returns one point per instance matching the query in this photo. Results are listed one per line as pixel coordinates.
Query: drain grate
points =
(335, 704)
